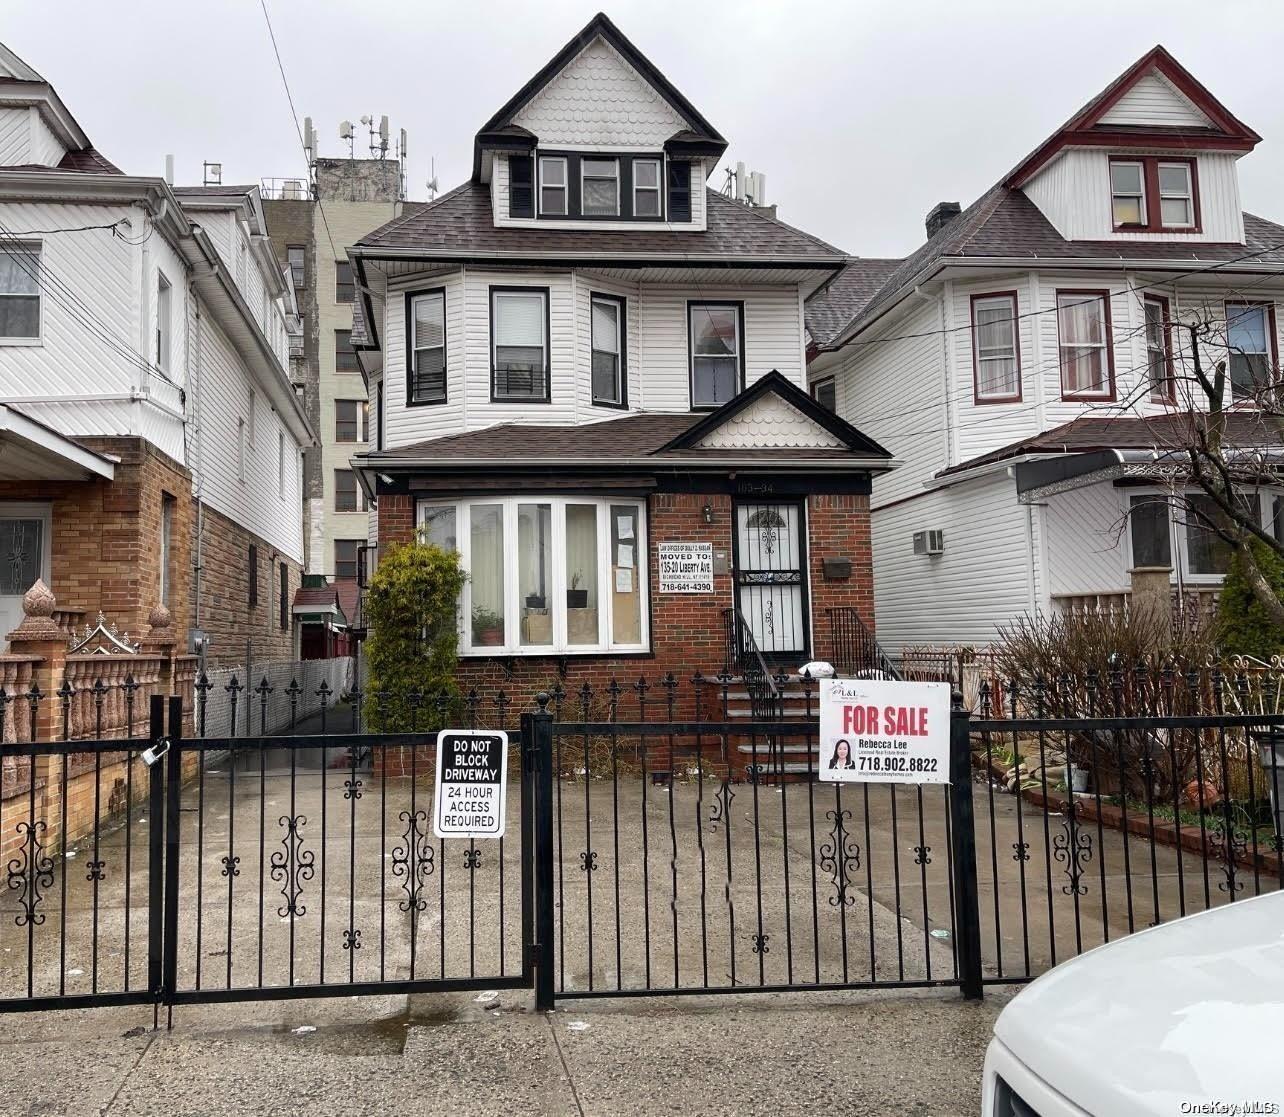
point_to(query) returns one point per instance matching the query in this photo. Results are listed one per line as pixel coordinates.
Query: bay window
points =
(426, 330)
(1181, 531)
(716, 351)
(546, 575)
(1250, 338)
(600, 187)
(519, 344)
(1083, 344)
(996, 349)
(607, 350)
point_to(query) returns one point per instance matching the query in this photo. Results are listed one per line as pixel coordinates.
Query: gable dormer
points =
(1151, 158)
(599, 137)
(36, 130)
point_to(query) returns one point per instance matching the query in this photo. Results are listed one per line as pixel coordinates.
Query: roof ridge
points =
(776, 221)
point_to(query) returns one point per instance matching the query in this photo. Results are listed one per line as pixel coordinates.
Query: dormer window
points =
(646, 188)
(600, 187)
(552, 186)
(1151, 193)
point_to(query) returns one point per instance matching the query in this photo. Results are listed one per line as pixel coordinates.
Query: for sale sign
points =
(472, 778)
(877, 731)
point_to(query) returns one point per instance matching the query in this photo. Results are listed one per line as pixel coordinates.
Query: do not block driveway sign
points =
(472, 784)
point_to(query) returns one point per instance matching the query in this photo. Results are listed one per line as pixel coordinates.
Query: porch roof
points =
(1162, 434)
(32, 451)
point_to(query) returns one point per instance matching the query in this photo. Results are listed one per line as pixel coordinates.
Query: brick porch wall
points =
(687, 632)
(105, 546)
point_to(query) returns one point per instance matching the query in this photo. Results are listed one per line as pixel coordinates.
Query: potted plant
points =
(576, 598)
(488, 627)
(534, 601)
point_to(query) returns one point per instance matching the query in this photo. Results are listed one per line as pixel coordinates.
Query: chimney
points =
(942, 214)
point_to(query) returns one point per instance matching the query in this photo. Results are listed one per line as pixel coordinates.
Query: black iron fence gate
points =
(665, 843)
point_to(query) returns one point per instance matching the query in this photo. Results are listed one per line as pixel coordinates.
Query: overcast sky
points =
(862, 115)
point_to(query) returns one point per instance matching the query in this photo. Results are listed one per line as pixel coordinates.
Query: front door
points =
(24, 557)
(770, 584)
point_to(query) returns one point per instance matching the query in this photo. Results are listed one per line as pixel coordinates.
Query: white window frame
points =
(164, 322)
(1012, 353)
(614, 160)
(737, 310)
(412, 324)
(240, 449)
(1178, 538)
(497, 296)
(657, 190)
(1140, 194)
(558, 583)
(35, 251)
(565, 187)
(617, 308)
(363, 421)
(1188, 196)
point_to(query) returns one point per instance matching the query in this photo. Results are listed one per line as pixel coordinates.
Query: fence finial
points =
(542, 700)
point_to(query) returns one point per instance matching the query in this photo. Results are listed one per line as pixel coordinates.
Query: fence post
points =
(155, 858)
(967, 914)
(174, 789)
(540, 728)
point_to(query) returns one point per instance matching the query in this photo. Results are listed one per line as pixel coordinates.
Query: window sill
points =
(986, 401)
(550, 653)
(427, 402)
(26, 341)
(623, 405)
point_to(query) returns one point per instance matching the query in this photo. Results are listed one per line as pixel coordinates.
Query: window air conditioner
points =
(931, 542)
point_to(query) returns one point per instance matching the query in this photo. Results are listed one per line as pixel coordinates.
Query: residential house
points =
(587, 370)
(150, 439)
(1032, 367)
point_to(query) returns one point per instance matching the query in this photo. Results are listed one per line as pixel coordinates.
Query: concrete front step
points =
(764, 750)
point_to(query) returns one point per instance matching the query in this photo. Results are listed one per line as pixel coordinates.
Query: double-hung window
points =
(1083, 343)
(343, 287)
(1185, 531)
(646, 188)
(19, 294)
(547, 575)
(346, 553)
(1150, 528)
(350, 420)
(600, 187)
(552, 186)
(519, 344)
(1159, 349)
(825, 393)
(607, 343)
(348, 495)
(717, 352)
(345, 357)
(1176, 195)
(1250, 340)
(1128, 193)
(427, 335)
(996, 349)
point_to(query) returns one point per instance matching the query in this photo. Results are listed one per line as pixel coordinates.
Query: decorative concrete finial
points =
(159, 617)
(38, 605)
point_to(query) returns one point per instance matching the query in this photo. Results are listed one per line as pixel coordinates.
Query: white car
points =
(1183, 1018)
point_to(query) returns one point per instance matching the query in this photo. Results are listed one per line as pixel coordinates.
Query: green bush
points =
(1243, 626)
(413, 647)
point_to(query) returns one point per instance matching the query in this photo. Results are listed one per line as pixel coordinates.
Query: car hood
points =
(1187, 1012)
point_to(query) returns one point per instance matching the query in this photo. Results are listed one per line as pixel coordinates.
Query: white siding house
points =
(1032, 365)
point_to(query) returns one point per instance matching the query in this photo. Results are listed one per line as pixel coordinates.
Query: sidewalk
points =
(851, 1054)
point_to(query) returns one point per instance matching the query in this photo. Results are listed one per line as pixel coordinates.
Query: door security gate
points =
(770, 583)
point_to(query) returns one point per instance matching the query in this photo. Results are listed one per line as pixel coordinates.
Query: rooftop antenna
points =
(309, 141)
(401, 160)
(345, 133)
(432, 182)
(211, 174)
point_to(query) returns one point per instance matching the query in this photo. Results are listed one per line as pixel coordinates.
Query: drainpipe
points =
(197, 441)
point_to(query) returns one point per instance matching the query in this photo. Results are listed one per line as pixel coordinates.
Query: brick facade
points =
(225, 610)
(105, 549)
(687, 630)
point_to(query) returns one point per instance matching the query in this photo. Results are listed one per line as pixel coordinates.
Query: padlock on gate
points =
(153, 753)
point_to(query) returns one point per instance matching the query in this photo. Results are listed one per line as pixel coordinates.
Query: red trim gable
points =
(1229, 133)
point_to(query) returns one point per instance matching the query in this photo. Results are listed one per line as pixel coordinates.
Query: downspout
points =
(197, 442)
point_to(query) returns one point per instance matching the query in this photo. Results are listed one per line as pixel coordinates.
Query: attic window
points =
(552, 186)
(1151, 193)
(600, 187)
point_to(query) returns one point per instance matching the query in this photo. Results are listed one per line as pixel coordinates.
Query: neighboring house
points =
(588, 370)
(310, 222)
(150, 440)
(1029, 365)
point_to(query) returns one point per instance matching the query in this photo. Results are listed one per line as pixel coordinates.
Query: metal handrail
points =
(854, 646)
(741, 645)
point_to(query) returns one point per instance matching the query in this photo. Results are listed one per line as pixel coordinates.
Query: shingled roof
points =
(460, 225)
(838, 302)
(1161, 433)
